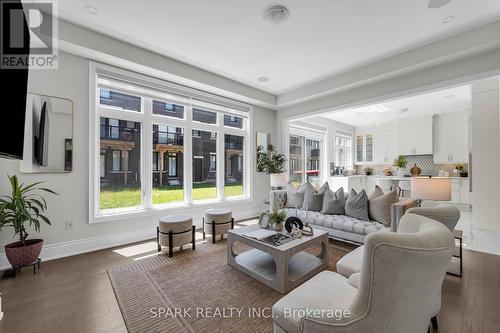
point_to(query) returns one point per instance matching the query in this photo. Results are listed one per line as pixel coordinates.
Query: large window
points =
(142, 159)
(168, 153)
(120, 163)
(343, 150)
(233, 162)
(204, 165)
(304, 159)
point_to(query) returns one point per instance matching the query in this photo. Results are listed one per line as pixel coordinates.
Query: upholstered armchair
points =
(399, 288)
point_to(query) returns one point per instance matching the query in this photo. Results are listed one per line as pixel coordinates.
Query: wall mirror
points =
(48, 135)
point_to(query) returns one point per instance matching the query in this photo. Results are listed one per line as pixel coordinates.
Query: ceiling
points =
(443, 101)
(321, 38)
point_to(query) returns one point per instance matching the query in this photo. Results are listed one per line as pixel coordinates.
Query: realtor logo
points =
(28, 34)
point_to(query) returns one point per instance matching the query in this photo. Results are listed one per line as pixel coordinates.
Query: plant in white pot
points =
(272, 163)
(400, 163)
(22, 208)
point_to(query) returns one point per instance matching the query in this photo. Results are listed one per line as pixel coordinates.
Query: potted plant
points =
(462, 170)
(273, 164)
(388, 171)
(22, 208)
(276, 219)
(368, 171)
(400, 163)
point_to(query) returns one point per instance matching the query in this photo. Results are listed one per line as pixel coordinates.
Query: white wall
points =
(71, 81)
(486, 154)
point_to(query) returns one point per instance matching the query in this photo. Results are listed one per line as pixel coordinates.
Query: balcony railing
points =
(119, 133)
(168, 138)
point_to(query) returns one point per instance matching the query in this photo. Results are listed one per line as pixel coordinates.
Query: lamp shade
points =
(431, 188)
(279, 179)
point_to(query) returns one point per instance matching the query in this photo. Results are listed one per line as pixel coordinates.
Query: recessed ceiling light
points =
(379, 108)
(91, 9)
(433, 4)
(262, 79)
(448, 19)
(276, 15)
(404, 110)
(448, 96)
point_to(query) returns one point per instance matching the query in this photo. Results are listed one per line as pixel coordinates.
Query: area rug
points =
(196, 291)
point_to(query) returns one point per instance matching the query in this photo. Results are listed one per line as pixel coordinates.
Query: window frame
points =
(146, 118)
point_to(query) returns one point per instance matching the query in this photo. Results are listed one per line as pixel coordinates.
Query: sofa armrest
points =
(398, 209)
(277, 199)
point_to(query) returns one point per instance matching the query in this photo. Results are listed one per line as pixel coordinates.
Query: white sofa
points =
(398, 290)
(341, 226)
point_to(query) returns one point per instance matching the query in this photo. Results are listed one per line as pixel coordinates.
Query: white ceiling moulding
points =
(448, 75)
(95, 46)
(461, 45)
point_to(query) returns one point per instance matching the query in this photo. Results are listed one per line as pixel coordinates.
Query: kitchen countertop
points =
(391, 177)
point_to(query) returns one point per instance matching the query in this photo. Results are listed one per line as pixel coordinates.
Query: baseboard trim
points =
(85, 245)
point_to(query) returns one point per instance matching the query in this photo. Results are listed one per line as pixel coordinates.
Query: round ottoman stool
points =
(175, 230)
(217, 221)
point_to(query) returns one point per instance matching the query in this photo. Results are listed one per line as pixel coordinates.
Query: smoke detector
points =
(276, 15)
(433, 4)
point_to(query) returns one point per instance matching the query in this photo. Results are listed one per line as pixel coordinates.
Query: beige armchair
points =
(399, 286)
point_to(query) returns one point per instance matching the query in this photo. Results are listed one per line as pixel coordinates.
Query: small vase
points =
(278, 226)
(401, 172)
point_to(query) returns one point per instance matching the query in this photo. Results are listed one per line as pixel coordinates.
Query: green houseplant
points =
(272, 163)
(22, 208)
(401, 163)
(277, 218)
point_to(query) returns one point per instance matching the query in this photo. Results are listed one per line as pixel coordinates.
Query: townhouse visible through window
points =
(127, 117)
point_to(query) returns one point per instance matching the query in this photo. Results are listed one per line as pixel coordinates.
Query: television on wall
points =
(14, 94)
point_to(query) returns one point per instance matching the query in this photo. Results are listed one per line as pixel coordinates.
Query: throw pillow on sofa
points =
(294, 196)
(379, 207)
(313, 200)
(334, 202)
(377, 193)
(357, 205)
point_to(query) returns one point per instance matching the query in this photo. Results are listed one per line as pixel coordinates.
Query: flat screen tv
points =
(14, 100)
(42, 139)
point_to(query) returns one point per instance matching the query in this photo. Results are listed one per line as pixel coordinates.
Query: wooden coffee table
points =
(282, 267)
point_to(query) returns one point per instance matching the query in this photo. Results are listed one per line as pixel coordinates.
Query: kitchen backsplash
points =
(424, 162)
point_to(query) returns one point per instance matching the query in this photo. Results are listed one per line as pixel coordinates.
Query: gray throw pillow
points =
(313, 200)
(357, 205)
(294, 196)
(334, 202)
(379, 208)
(377, 193)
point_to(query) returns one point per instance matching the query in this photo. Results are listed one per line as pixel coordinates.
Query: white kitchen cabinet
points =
(365, 148)
(405, 139)
(415, 136)
(357, 183)
(451, 142)
(460, 191)
(385, 146)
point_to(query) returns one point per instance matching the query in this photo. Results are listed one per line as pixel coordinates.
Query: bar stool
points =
(175, 230)
(217, 221)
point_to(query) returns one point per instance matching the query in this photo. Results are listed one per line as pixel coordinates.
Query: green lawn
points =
(118, 198)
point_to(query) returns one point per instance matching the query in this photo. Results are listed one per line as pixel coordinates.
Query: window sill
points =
(174, 208)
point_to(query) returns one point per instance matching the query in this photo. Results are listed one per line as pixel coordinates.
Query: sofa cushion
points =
(334, 202)
(294, 196)
(379, 207)
(357, 205)
(338, 222)
(313, 200)
(377, 193)
(351, 262)
(326, 290)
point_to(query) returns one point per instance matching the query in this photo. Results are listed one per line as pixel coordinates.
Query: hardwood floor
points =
(74, 294)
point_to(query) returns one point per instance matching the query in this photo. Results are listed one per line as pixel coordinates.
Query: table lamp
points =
(431, 188)
(278, 180)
